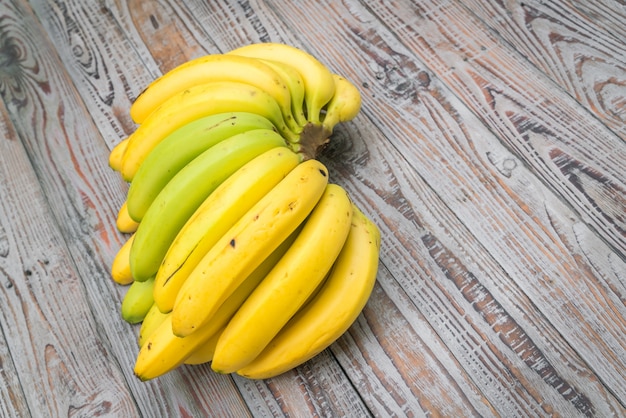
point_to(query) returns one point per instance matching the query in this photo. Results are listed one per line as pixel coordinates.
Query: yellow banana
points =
(117, 154)
(179, 148)
(124, 222)
(194, 103)
(137, 301)
(153, 319)
(287, 287)
(182, 195)
(246, 245)
(221, 209)
(162, 351)
(204, 353)
(214, 68)
(319, 85)
(120, 268)
(345, 104)
(294, 82)
(341, 299)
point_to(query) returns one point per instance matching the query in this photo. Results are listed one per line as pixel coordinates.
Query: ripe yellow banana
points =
(120, 268)
(287, 287)
(246, 245)
(204, 353)
(209, 69)
(319, 85)
(153, 319)
(162, 351)
(124, 222)
(117, 154)
(182, 195)
(225, 206)
(179, 148)
(137, 301)
(294, 82)
(345, 104)
(193, 103)
(341, 299)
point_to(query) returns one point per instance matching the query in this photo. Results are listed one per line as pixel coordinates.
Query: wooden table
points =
(490, 150)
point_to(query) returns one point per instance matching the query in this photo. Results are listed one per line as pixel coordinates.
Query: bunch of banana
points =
(240, 252)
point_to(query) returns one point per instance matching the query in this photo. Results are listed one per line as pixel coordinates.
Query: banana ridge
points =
(221, 209)
(319, 84)
(287, 287)
(295, 84)
(249, 241)
(179, 148)
(182, 195)
(338, 304)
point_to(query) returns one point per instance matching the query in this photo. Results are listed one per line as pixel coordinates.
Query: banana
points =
(120, 268)
(116, 155)
(181, 147)
(193, 103)
(294, 82)
(246, 244)
(319, 85)
(153, 319)
(318, 324)
(215, 68)
(287, 287)
(187, 190)
(162, 351)
(137, 301)
(227, 204)
(345, 104)
(204, 353)
(124, 222)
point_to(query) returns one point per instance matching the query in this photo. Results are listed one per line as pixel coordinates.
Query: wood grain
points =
(490, 151)
(576, 52)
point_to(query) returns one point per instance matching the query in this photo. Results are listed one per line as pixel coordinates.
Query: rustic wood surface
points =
(490, 150)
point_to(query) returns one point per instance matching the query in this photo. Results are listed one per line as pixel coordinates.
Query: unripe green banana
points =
(138, 301)
(180, 198)
(179, 148)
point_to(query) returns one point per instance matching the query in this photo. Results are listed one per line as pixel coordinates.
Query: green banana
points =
(138, 301)
(180, 148)
(185, 193)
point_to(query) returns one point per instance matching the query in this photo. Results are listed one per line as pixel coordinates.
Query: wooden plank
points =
(574, 50)
(609, 14)
(13, 401)
(579, 157)
(393, 102)
(95, 52)
(61, 365)
(70, 159)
